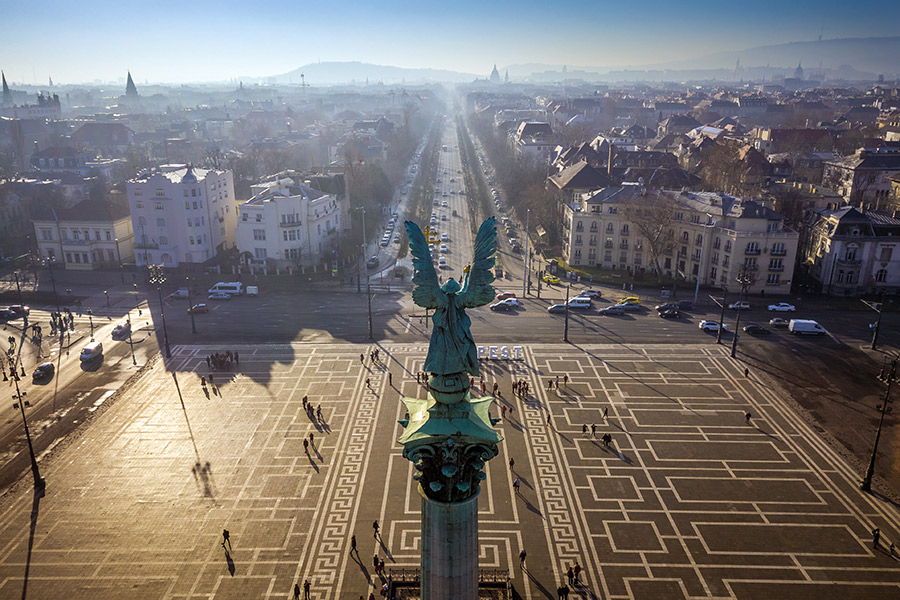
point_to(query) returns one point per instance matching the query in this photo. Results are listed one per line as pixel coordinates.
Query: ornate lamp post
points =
(90, 315)
(157, 279)
(745, 278)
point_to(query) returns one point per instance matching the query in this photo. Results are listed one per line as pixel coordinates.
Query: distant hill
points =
(331, 73)
(865, 57)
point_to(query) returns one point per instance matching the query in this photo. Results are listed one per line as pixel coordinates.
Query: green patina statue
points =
(452, 349)
(450, 435)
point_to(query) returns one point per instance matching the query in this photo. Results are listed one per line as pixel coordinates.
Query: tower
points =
(798, 72)
(7, 95)
(495, 75)
(130, 89)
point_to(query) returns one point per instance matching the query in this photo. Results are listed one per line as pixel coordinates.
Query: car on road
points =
(510, 301)
(505, 295)
(612, 310)
(779, 322)
(712, 326)
(442, 262)
(556, 308)
(667, 306)
(504, 305)
(551, 279)
(443, 217)
(629, 300)
(782, 307)
(219, 296)
(630, 306)
(743, 305)
(122, 330)
(591, 293)
(372, 262)
(385, 240)
(20, 310)
(670, 313)
(755, 329)
(7, 315)
(444, 248)
(581, 302)
(396, 239)
(444, 203)
(445, 237)
(198, 308)
(43, 371)
(685, 305)
(180, 293)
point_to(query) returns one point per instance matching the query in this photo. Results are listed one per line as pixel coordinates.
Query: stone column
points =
(449, 549)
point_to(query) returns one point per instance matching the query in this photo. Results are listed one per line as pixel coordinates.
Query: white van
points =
(235, 288)
(442, 262)
(92, 351)
(801, 326)
(252, 290)
(579, 302)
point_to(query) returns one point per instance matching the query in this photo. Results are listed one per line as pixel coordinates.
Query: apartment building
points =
(710, 235)
(90, 235)
(181, 215)
(287, 223)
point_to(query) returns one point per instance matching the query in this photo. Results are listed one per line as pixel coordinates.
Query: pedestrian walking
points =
(237, 360)
(226, 538)
(516, 485)
(584, 430)
(571, 576)
(362, 359)
(876, 535)
(495, 388)
(747, 417)
(296, 592)
(375, 562)
(503, 411)
(368, 383)
(306, 590)
(375, 527)
(318, 412)
(577, 570)
(312, 439)
(892, 548)
(209, 366)
(390, 379)
(557, 382)
(522, 556)
(483, 389)
(353, 544)
(549, 384)
(746, 372)
(549, 421)
(593, 430)
(512, 463)
(566, 380)
(306, 445)
(605, 413)
(381, 566)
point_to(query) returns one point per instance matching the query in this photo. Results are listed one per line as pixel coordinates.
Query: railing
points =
(776, 268)
(752, 251)
(146, 246)
(593, 242)
(404, 575)
(623, 246)
(624, 232)
(290, 224)
(750, 267)
(779, 252)
(608, 245)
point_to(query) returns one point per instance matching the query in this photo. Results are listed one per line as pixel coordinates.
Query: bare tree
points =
(652, 215)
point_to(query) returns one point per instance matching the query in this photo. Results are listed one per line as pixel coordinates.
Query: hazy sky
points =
(204, 40)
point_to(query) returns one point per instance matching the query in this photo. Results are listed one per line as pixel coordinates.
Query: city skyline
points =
(98, 40)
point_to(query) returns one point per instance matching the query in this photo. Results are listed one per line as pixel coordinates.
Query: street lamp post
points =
(119, 260)
(866, 484)
(525, 273)
(19, 397)
(879, 308)
(131, 340)
(106, 293)
(191, 305)
(746, 281)
(566, 330)
(366, 266)
(710, 222)
(722, 316)
(19, 289)
(157, 279)
(90, 315)
(50, 262)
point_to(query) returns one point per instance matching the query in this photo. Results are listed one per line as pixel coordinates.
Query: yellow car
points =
(552, 279)
(630, 300)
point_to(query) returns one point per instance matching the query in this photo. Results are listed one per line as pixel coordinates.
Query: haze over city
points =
(206, 41)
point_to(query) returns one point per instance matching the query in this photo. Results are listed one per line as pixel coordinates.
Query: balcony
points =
(608, 245)
(752, 252)
(846, 262)
(779, 252)
(623, 246)
(776, 268)
(579, 229)
(593, 242)
(624, 232)
(146, 246)
(750, 267)
(287, 224)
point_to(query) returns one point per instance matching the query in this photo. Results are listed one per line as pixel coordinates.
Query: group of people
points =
(374, 356)
(552, 382)
(315, 415)
(222, 362)
(61, 322)
(520, 388)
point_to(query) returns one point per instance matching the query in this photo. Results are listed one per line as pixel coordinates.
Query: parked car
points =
(629, 300)
(782, 307)
(551, 279)
(7, 315)
(443, 217)
(445, 237)
(630, 306)
(372, 262)
(712, 326)
(444, 248)
(43, 371)
(502, 306)
(20, 310)
(591, 293)
(612, 310)
(755, 329)
(219, 296)
(556, 308)
(511, 302)
(743, 305)
(122, 330)
(198, 308)
(667, 306)
(671, 313)
(779, 322)
(505, 295)
(685, 305)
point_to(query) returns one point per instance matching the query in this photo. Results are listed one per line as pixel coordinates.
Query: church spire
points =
(7, 95)
(130, 89)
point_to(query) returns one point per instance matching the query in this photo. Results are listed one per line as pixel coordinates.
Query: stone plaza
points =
(691, 499)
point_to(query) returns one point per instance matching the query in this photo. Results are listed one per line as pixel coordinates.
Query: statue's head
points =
(451, 287)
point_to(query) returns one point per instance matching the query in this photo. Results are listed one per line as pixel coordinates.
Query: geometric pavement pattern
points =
(689, 501)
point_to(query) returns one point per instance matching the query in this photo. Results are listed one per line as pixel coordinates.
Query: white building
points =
(181, 215)
(287, 224)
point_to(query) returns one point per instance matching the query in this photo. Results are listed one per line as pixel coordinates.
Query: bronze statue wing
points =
(427, 293)
(478, 290)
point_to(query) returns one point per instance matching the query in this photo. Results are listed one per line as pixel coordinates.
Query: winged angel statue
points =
(452, 349)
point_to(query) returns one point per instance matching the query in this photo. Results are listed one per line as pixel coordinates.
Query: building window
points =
(840, 276)
(160, 192)
(260, 253)
(773, 279)
(886, 254)
(579, 226)
(725, 262)
(678, 216)
(685, 236)
(259, 217)
(185, 194)
(194, 193)
(76, 234)
(610, 228)
(244, 217)
(191, 240)
(881, 276)
(851, 254)
(750, 263)
(611, 210)
(259, 234)
(625, 229)
(712, 273)
(158, 206)
(578, 239)
(728, 246)
(850, 276)
(110, 255)
(163, 240)
(189, 223)
(139, 204)
(46, 234)
(699, 240)
(187, 205)
(108, 235)
(717, 244)
(285, 235)
(138, 192)
(97, 235)
(68, 257)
